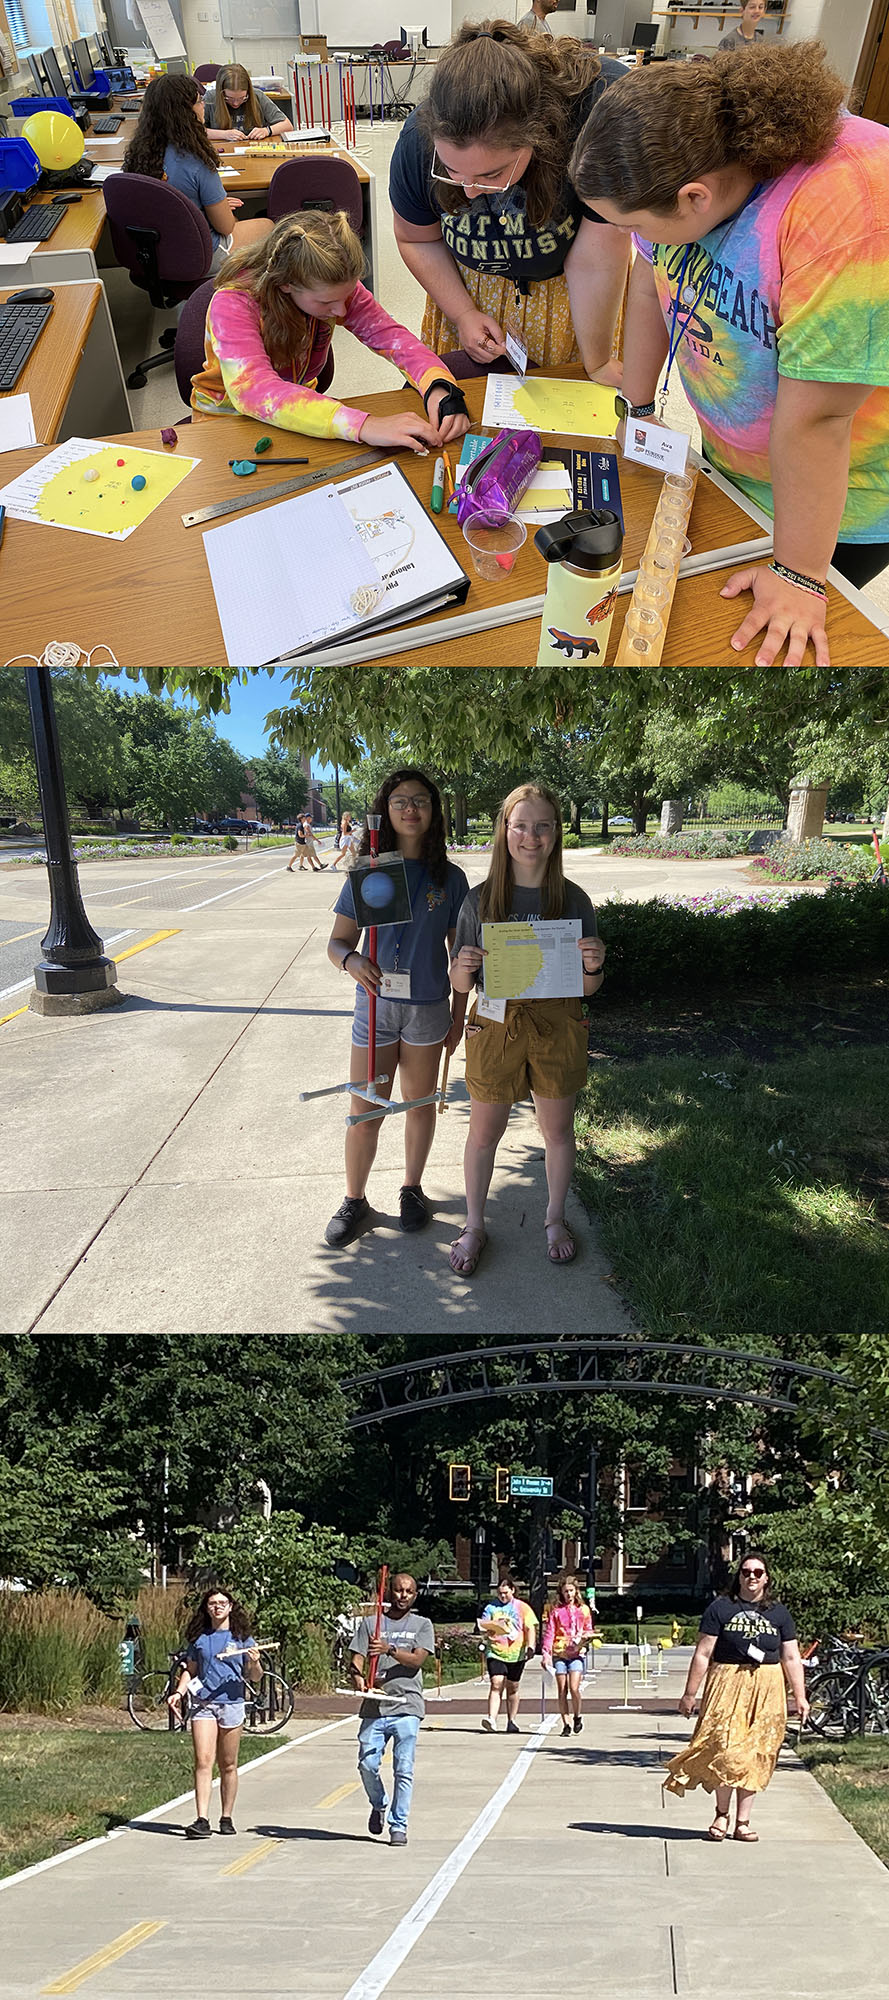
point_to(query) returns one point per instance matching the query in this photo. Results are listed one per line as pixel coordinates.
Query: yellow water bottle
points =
(584, 552)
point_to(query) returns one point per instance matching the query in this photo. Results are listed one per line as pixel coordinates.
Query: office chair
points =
(188, 353)
(315, 182)
(164, 241)
(207, 72)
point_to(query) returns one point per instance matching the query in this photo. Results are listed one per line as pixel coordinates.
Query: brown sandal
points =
(717, 1832)
(467, 1268)
(552, 1249)
(744, 1831)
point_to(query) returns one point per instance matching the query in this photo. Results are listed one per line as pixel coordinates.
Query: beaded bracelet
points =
(809, 583)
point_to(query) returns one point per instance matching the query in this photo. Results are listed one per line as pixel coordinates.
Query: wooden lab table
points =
(73, 375)
(71, 251)
(102, 590)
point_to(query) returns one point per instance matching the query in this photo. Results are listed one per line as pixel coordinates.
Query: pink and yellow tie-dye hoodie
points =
(237, 374)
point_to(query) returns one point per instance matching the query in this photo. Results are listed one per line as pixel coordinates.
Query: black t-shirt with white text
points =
(739, 1626)
(492, 233)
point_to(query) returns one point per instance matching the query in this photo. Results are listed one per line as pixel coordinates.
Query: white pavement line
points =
(122, 889)
(186, 908)
(132, 1825)
(377, 1975)
(22, 983)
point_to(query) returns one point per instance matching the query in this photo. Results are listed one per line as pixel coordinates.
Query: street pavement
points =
(158, 1173)
(535, 1865)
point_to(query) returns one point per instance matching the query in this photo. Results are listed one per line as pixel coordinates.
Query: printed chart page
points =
(538, 960)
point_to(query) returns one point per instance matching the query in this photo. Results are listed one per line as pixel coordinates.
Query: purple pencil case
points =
(495, 481)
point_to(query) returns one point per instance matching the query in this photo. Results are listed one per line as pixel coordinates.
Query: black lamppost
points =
(74, 976)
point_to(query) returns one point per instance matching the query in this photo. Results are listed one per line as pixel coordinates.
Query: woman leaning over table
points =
(485, 217)
(761, 212)
(747, 1647)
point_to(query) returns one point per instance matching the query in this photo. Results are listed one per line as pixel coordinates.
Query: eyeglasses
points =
(541, 827)
(753, 1572)
(418, 802)
(485, 186)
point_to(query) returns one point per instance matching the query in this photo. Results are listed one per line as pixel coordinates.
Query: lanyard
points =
(423, 880)
(677, 331)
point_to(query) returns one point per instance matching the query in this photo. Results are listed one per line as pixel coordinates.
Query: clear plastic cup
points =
(642, 618)
(494, 545)
(652, 592)
(679, 482)
(663, 561)
(672, 515)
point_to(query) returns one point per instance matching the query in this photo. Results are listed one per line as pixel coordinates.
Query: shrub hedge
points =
(658, 947)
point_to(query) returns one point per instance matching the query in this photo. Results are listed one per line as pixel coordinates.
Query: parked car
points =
(240, 826)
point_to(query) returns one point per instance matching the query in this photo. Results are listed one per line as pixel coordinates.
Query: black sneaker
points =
(415, 1209)
(578, 1724)
(375, 1822)
(198, 1830)
(566, 1729)
(343, 1227)
(227, 1825)
(512, 1729)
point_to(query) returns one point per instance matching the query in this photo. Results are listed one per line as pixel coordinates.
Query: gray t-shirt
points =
(200, 182)
(738, 41)
(534, 25)
(412, 1631)
(525, 904)
(269, 113)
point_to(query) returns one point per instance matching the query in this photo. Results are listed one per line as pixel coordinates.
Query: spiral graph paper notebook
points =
(289, 578)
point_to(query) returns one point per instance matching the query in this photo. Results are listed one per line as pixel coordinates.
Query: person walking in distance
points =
(747, 1648)
(567, 1633)
(508, 1627)
(220, 1655)
(406, 1641)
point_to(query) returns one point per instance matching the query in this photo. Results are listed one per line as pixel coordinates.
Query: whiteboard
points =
(163, 33)
(360, 23)
(260, 21)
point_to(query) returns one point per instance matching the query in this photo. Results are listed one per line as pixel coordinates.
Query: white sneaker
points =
(490, 1726)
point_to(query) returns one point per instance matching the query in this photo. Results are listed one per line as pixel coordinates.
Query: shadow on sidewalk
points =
(635, 1832)
(311, 1833)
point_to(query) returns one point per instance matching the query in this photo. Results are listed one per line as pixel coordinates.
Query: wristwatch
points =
(625, 409)
(392, 1652)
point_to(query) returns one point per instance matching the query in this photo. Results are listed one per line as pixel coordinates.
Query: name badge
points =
(489, 1010)
(654, 444)
(517, 353)
(755, 1652)
(396, 986)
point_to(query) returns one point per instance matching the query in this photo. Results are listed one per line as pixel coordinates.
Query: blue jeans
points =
(373, 1735)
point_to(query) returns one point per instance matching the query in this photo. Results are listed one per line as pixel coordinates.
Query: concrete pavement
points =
(535, 1864)
(158, 1173)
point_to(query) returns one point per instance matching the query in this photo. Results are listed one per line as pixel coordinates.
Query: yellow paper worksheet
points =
(533, 961)
(88, 486)
(568, 409)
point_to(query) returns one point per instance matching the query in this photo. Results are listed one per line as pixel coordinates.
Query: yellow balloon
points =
(57, 140)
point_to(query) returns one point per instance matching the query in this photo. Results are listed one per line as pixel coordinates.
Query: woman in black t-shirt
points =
(485, 216)
(747, 1648)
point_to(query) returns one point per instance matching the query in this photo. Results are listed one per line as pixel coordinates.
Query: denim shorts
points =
(402, 1021)
(227, 1714)
(575, 1666)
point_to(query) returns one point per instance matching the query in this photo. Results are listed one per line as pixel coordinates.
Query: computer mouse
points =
(36, 295)
(67, 197)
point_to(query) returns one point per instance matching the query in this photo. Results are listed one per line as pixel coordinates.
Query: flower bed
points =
(692, 845)
(814, 861)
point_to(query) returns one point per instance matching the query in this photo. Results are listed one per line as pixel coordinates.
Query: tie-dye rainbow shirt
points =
(799, 286)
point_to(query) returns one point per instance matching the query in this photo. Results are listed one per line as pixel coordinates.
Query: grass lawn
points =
(60, 1785)
(856, 1776)
(735, 1153)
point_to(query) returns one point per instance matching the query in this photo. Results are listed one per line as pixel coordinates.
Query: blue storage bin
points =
(19, 166)
(25, 107)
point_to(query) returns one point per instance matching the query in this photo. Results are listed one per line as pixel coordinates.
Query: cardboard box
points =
(314, 45)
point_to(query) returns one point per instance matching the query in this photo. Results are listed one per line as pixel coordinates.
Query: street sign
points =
(530, 1488)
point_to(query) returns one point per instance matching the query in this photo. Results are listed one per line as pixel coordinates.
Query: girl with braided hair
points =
(760, 211)
(170, 144)
(269, 330)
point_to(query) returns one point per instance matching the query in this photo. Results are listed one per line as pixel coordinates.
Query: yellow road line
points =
(333, 1798)
(117, 958)
(249, 1860)
(22, 934)
(157, 937)
(109, 1952)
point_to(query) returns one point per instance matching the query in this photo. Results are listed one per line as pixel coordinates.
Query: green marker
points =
(438, 486)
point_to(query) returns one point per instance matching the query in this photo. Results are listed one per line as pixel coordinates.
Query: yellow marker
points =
(250, 1859)
(333, 1798)
(119, 1947)
(118, 957)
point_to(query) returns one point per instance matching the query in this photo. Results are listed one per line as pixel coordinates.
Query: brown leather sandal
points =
(466, 1268)
(744, 1831)
(717, 1832)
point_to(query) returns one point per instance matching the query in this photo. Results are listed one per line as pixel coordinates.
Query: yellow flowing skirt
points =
(739, 1732)
(543, 316)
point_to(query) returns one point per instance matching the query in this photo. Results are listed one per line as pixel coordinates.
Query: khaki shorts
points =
(541, 1047)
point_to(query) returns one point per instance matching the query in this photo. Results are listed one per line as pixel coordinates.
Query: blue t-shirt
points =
(422, 944)
(192, 177)
(221, 1680)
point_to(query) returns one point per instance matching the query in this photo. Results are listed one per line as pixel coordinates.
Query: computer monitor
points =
(84, 63)
(40, 81)
(52, 70)
(644, 35)
(106, 49)
(414, 39)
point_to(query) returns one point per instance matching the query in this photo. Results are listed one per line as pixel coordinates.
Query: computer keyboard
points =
(36, 224)
(131, 104)
(107, 124)
(20, 329)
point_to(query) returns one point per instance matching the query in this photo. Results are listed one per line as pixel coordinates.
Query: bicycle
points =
(268, 1702)
(850, 1697)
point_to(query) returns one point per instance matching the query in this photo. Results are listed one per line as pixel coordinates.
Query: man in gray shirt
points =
(535, 21)
(406, 1641)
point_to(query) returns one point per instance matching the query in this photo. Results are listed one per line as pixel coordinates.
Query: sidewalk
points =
(535, 1865)
(159, 1175)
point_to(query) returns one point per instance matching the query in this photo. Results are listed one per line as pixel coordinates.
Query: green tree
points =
(284, 1570)
(93, 755)
(278, 784)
